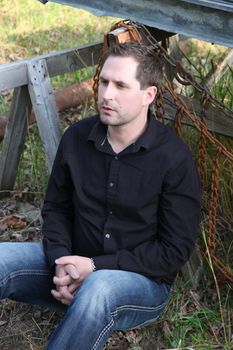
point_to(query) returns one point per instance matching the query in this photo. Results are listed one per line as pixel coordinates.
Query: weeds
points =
(3, 105)
(33, 174)
(202, 61)
(192, 319)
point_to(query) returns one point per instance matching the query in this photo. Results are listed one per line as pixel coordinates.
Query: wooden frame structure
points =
(30, 80)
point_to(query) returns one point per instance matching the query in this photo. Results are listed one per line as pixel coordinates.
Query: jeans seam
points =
(126, 307)
(23, 273)
(141, 308)
(104, 330)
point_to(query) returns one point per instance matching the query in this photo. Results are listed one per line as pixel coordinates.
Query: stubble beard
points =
(112, 118)
(116, 121)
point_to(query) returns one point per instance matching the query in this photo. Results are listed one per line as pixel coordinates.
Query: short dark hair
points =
(150, 68)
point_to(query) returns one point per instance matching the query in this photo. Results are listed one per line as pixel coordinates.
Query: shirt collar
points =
(146, 140)
(98, 134)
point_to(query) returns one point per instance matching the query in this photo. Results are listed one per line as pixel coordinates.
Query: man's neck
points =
(122, 136)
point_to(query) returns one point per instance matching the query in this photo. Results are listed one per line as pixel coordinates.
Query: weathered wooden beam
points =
(15, 73)
(219, 122)
(14, 137)
(45, 109)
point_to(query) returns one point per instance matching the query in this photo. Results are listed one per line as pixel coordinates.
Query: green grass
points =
(196, 320)
(28, 28)
(3, 105)
(193, 320)
(32, 176)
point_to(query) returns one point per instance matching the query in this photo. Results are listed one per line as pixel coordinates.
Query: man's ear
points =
(150, 94)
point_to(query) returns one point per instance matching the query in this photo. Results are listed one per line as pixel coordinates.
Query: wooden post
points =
(14, 137)
(173, 51)
(45, 109)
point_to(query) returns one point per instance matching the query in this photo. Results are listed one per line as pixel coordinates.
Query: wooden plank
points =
(14, 137)
(15, 73)
(44, 105)
(78, 58)
(217, 121)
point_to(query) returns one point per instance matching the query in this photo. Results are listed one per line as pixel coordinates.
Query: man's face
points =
(120, 99)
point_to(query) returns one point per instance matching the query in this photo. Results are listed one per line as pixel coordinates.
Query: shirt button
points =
(116, 157)
(111, 184)
(110, 212)
(107, 235)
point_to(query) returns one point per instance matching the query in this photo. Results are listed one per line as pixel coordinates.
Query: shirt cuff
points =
(54, 254)
(108, 262)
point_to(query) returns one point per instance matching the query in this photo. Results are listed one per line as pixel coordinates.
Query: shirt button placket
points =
(108, 235)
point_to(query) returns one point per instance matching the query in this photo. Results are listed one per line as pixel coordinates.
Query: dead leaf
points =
(13, 221)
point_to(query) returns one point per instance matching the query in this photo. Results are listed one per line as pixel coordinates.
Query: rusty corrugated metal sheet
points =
(203, 19)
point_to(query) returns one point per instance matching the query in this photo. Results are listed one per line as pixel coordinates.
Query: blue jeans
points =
(108, 300)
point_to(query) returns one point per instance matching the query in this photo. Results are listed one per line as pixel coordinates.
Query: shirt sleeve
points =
(179, 216)
(57, 211)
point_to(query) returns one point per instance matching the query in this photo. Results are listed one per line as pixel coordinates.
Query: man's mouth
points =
(107, 108)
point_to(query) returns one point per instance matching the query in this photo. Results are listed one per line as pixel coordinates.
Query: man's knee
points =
(97, 292)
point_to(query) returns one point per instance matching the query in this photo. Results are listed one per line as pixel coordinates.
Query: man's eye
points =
(104, 82)
(121, 86)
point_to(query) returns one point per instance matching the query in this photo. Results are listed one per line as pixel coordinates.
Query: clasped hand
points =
(70, 273)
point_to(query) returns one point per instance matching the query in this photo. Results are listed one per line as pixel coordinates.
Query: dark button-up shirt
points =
(137, 210)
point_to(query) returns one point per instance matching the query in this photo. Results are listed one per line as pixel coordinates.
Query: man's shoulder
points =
(80, 129)
(168, 138)
(83, 125)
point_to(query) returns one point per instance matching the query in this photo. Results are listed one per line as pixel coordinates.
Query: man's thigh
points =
(132, 299)
(25, 274)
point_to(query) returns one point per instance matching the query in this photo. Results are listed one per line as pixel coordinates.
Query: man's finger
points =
(62, 293)
(62, 281)
(73, 287)
(72, 271)
(65, 294)
(65, 260)
(58, 297)
(56, 294)
(65, 302)
(60, 271)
